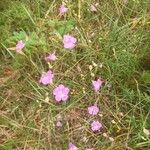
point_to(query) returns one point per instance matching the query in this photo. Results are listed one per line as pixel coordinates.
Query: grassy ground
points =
(116, 38)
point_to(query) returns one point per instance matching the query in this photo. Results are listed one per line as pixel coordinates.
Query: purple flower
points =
(97, 85)
(62, 9)
(19, 46)
(96, 126)
(72, 147)
(93, 110)
(61, 93)
(46, 78)
(51, 57)
(69, 41)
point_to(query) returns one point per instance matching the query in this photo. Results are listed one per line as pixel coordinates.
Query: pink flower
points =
(58, 124)
(19, 46)
(97, 84)
(61, 93)
(51, 57)
(69, 41)
(46, 78)
(93, 110)
(62, 9)
(72, 147)
(96, 126)
(93, 8)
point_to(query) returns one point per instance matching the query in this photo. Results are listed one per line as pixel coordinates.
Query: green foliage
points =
(65, 27)
(145, 78)
(62, 27)
(9, 145)
(31, 40)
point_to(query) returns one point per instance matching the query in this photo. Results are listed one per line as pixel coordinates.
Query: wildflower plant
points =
(74, 74)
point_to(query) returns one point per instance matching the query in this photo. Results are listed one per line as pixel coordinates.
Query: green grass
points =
(116, 37)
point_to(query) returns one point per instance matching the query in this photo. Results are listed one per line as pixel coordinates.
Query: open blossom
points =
(51, 57)
(93, 110)
(72, 147)
(19, 46)
(69, 41)
(62, 9)
(61, 93)
(58, 124)
(97, 84)
(96, 126)
(46, 78)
